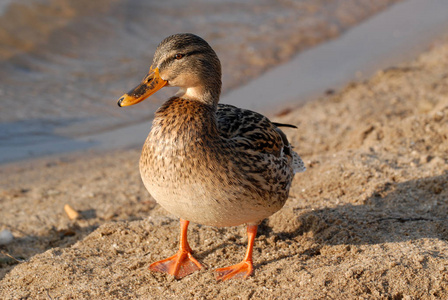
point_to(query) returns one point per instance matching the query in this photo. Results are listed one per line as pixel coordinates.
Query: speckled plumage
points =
(205, 162)
(222, 168)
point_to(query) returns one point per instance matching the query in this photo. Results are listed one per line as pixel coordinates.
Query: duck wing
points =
(255, 132)
(252, 130)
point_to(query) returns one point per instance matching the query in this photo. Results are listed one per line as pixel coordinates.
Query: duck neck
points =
(207, 94)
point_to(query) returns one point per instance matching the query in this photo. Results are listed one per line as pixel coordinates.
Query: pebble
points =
(6, 237)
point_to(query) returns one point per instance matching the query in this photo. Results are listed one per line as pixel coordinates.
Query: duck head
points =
(185, 61)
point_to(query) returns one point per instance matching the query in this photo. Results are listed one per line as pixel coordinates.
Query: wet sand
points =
(367, 220)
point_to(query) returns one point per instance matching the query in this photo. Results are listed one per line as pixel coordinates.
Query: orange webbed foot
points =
(245, 268)
(242, 270)
(182, 263)
(179, 265)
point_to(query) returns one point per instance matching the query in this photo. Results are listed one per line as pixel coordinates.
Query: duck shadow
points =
(396, 212)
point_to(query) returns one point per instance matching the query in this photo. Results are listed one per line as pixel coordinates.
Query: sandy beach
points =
(367, 220)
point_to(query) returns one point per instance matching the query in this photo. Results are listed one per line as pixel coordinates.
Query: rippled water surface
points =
(64, 63)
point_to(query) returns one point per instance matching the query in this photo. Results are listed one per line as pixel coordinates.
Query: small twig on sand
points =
(12, 257)
(403, 220)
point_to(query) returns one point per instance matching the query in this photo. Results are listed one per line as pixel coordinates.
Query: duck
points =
(205, 162)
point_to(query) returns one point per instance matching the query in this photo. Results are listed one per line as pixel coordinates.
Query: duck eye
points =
(179, 56)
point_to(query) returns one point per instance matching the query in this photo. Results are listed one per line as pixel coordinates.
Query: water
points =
(64, 63)
(385, 40)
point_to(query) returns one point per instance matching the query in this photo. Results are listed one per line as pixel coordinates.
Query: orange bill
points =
(149, 85)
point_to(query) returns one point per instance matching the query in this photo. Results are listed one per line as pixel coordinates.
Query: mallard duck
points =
(205, 162)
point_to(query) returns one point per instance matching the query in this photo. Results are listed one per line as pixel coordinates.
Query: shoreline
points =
(309, 74)
(74, 78)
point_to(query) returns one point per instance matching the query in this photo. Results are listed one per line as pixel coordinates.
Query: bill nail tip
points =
(119, 101)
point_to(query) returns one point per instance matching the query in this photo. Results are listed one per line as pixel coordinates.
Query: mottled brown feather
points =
(218, 168)
(211, 163)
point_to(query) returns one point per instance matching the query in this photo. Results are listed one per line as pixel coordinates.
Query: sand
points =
(367, 220)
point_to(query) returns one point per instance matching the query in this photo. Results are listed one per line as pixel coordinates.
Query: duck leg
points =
(245, 268)
(182, 263)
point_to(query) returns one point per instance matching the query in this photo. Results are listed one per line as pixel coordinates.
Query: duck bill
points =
(149, 85)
